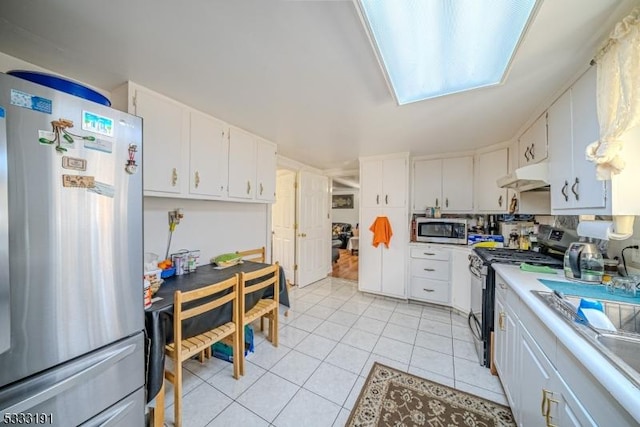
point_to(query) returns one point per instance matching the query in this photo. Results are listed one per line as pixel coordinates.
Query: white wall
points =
(349, 216)
(213, 227)
(615, 246)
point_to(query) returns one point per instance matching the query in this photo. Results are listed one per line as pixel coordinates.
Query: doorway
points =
(301, 225)
(345, 209)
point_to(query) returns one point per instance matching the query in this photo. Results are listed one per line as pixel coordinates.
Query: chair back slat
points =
(256, 255)
(203, 308)
(249, 289)
(208, 290)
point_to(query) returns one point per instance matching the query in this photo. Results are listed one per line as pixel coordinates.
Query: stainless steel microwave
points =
(441, 230)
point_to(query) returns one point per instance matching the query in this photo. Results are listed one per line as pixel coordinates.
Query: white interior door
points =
(314, 237)
(284, 219)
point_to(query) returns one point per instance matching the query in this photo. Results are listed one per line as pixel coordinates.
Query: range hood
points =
(527, 178)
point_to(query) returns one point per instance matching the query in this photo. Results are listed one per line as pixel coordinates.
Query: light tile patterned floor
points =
(328, 343)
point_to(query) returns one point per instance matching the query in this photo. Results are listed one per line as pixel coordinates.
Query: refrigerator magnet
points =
(99, 145)
(102, 189)
(73, 163)
(131, 167)
(78, 181)
(92, 122)
(31, 102)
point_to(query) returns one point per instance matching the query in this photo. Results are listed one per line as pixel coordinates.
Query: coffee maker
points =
(583, 261)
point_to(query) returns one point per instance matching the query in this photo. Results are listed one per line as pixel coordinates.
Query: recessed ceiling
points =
(299, 73)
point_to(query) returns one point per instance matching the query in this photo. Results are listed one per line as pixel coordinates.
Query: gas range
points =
(483, 282)
(516, 256)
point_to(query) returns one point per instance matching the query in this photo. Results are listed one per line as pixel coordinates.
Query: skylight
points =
(431, 48)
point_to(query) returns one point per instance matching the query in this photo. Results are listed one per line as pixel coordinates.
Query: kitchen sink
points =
(625, 346)
(621, 347)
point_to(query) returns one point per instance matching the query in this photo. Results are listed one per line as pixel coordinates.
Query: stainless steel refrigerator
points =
(71, 297)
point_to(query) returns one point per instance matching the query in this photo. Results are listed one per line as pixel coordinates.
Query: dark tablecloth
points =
(159, 317)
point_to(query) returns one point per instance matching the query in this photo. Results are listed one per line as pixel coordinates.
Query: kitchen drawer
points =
(429, 252)
(430, 290)
(430, 269)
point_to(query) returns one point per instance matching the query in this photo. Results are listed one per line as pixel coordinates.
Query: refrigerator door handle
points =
(5, 297)
(48, 390)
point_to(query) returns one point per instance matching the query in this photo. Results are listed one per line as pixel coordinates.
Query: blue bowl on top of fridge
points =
(63, 85)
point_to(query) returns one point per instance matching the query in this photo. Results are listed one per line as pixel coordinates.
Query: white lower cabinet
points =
(506, 336)
(545, 399)
(430, 274)
(544, 383)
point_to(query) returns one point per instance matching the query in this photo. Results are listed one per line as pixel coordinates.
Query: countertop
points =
(621, 388)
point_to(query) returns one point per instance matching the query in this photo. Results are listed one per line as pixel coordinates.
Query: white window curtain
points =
(618, 91)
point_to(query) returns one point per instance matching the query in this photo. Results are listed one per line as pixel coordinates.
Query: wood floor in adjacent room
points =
(347, 266)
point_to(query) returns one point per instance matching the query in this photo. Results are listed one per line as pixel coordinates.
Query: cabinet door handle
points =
(431, 253)
(248, 187)
(500, 201)
(526, 153)
(197, 179)
(544, 400)
(547, 415)
(436, 202)
(564, 191)
(377, 199)
(573, 188)
(261, 189)
(501, 321)
(174, 177)
(428, 290)
(532, 151)
(386, 199)
(429, 269)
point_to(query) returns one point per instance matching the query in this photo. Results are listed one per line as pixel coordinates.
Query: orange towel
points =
(381, 231)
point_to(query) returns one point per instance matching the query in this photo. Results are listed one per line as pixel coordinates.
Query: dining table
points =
(159, 317)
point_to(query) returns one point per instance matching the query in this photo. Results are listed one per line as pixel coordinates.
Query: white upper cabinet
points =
(252, 167)
(573, 124)
(191, 155)
(532, 145)
(427, 184)
(209, 150)
(386, 183)
(163, 128)
(491, 166)
(457, 184)
(445, 183)
(242, 164)
(394, 183)
(266, 171)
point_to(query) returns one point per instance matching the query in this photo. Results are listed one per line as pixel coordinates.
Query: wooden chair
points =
(267, 307)
(184, 348)
(256, 255)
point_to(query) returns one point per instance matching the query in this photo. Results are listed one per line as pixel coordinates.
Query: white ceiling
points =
(299, 73)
